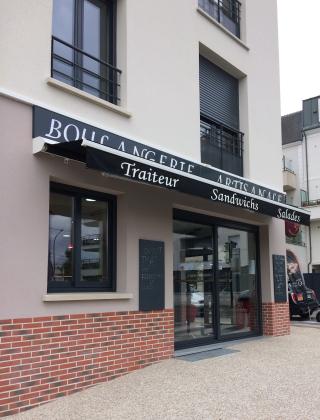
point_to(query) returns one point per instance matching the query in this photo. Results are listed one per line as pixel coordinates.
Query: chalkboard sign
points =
(279, 278)
(151, 275)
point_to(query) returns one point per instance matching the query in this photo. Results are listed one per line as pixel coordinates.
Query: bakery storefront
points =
(217, 290)
(118, 254)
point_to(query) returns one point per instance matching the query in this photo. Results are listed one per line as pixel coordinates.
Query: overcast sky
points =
(299, 41)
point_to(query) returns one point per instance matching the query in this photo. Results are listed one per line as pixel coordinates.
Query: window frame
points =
(111, 248)
(223, 144)
(110, 31)
(108, 49)
(220, 9)
(215, 223)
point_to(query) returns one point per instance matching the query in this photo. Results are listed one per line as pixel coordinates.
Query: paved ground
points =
(271, 378)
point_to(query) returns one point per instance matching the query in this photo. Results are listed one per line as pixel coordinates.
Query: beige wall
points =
(158, 52)
(158, 46)
(143, 212)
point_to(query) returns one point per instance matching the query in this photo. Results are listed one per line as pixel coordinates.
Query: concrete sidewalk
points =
(271, 378)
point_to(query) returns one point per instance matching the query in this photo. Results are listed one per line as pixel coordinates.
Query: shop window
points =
(82, 239)
(83, 46)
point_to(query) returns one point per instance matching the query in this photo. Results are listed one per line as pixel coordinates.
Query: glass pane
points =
(63, 18)
(62, 70)
(93, 241)
(60, 239)
(237, 281)
(93, 24)
(91, 28)
(229, 22)
(210, 7)
(193, 281)
(63, 28)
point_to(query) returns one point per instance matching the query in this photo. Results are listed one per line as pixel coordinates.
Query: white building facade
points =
(301, 143)
(141, 178)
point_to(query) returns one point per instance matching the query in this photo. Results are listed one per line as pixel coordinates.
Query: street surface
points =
(267, 378)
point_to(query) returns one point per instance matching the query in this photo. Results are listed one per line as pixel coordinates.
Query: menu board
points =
(279, 278)
(151, 275)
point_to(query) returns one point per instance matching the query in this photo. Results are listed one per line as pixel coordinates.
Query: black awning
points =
(120, 164)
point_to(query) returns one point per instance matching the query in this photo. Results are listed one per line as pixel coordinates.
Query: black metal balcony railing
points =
(226, 12)
(310, 203)
(77, 68)
(221, 146)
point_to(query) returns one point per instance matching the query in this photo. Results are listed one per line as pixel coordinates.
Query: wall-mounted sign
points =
(60, 128)
(151, 275)
(279, 278)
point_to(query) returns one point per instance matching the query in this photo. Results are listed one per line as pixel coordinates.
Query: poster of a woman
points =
(295, 276)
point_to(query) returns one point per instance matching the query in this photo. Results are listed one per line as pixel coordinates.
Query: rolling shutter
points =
(219, 94)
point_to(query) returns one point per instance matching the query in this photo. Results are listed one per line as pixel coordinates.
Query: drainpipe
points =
(307, 175)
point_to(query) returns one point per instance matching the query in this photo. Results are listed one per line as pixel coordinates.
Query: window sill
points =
(65, 297)
(225, 30)
(87, 96)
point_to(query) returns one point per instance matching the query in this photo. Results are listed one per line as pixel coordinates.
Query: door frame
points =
(215, 223)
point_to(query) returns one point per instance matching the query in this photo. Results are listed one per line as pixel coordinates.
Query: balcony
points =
(311, 203)
(314, 207)
(221, 146)
(289, 176)
(289, 180)
(79, 69)
(226, 12)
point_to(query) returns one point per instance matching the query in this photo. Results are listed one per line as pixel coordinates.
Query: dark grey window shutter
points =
(219, 94)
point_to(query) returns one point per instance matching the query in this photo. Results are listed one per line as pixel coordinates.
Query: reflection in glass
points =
(193, 281)
(92, 45)
(60, 238)
(63, 28)
(237, 281)
(93, 240)
(95, 42)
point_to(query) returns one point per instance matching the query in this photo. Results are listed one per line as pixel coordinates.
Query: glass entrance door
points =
(216, 287)
(237, 282)
(193, 283)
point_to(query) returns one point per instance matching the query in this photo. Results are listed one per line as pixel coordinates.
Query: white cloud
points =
(299, 40)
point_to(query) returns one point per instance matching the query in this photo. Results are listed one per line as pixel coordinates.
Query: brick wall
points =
(276, 319)
(48, 357)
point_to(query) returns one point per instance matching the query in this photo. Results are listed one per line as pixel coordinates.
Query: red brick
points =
(79, 350)
(6, 388)
(276, 319)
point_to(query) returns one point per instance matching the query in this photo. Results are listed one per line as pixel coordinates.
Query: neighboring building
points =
(141, 209)
(297, 237)
(301, 178)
